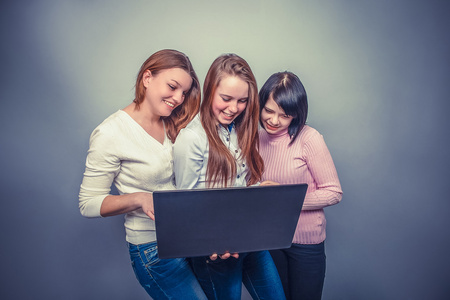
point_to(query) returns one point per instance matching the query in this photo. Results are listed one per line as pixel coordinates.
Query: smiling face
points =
(166, 90)
(230, 99)
(273, 117)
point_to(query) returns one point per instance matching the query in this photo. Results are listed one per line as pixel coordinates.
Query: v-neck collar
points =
(145, 132)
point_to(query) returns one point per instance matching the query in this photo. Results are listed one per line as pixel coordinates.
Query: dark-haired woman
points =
(219, 149)
(132, 148)
(294, 152)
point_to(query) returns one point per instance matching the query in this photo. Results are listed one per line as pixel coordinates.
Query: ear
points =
(146, 78)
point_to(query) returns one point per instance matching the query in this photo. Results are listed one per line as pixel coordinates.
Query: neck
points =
(143, 115)
(278, 135)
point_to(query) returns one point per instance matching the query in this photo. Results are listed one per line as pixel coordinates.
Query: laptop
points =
(201, 222)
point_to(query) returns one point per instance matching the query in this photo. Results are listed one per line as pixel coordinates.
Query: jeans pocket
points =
(151, 254)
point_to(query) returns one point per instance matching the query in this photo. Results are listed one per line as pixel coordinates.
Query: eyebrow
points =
(225, 95)
(176, 82)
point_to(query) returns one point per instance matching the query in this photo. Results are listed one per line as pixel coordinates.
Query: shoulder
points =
(262, 132)
(307, 134)
(195, 124)
(311, 141)
(192, 133)
(112, 127)
(108, 125)
(263, 136)
(113, 122)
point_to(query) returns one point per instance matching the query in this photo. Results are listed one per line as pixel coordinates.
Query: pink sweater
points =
(307, 160)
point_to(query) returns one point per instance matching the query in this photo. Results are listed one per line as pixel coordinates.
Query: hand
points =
(269, 182)
(146, 200)
(226, 255)
(114, 205)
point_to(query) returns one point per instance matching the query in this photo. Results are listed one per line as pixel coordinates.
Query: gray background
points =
(376, 73)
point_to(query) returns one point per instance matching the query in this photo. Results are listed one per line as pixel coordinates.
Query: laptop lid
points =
(201, 222)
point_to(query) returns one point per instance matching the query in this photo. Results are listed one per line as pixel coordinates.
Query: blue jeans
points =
(164, 278)
(302, 270)
(222, 279)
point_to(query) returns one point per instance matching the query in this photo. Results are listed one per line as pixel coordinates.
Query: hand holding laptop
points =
(226, 255)
(147, 206)
(269, 182)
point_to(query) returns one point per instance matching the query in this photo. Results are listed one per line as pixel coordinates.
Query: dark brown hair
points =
(288, 93)
(221, 163)
(183, 114)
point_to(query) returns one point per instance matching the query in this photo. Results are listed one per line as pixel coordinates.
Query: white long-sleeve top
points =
(191, 152)
(123, 153)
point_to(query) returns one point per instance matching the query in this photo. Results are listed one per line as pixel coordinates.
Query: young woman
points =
(296, 153)
(219, 149)
(132, 148)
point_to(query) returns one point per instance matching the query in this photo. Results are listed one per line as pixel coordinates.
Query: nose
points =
(178, 96)
(275, 120)
(233, 107)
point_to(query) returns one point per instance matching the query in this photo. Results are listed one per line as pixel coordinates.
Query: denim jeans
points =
(164, 278)
(222, 279)
(302, 270)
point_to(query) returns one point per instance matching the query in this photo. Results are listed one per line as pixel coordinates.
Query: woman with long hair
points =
(294, 152)
(132, 148)
(219, 148)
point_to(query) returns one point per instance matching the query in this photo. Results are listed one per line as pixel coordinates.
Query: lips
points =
(272, 128)
(228, 116)
(170, 104)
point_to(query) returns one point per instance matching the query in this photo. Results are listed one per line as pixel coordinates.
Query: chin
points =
(166, 114)
(226, 122)
(270, 130)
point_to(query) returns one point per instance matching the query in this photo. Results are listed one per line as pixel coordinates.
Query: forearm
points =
(321, 198)
(327, 190)
(114, 205)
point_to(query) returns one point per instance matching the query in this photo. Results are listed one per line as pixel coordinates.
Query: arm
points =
(322, 169)
(113, 205)
(188, 159)
(102, 166)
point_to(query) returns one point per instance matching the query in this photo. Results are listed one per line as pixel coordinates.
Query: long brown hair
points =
(184, 113)
(221, 164)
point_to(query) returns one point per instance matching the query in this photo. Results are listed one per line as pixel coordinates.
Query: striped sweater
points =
(307, 160)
